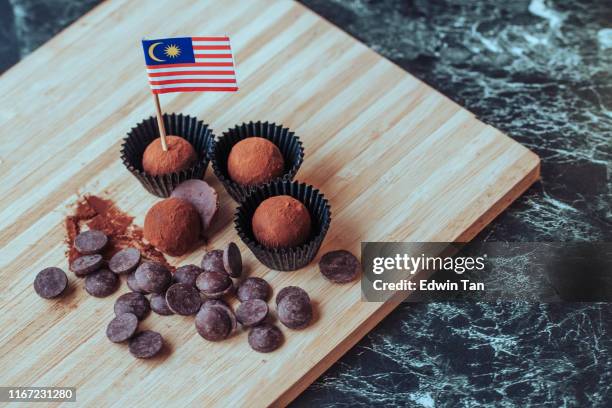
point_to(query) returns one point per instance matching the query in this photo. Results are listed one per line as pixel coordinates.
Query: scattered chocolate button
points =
(183, 299)
(218, 303)
(187, 274)
(132, 302)
(152, 277)
(294, 311)
(202, 196)
(50, 282)
(213, 324)
(101, 283)
(131, 282)
(265, 338)
(159, 304)
(213, 261)
(252, 312)
(122, 327)
(86, 264)
(125, 261)
(146, 344)
(213, 284)
(254, 288)
(291, 290)
(339, 266)
(90, 242)
(232, 260)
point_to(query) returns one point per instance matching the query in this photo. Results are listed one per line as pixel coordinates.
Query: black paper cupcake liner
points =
(190, 128)
(284, 259)
(287, 142)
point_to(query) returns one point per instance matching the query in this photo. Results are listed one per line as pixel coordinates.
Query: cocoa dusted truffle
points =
(172, 226)
(180, 156)
(255, 160)
(281, 222)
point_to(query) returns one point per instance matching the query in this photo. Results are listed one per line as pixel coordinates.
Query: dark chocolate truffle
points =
(172, 226)
(180, 156)
(255, 160)
(280, 222)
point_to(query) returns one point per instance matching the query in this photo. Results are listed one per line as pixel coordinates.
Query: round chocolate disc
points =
(132, 302)
(86, 264)
(214, 284)
(294, 311)
(50, 282)
(254, 288)
(131, 282)
(218, 303)
(202, 196)
(265, 338)
(252, 312)
(159, 304)
(213, 324)
(183, 299)
(232, 260)
(213, 261)
(122, 327)
(90, 242)
(187, 274)
(291, 290)
(101, 283)
(125, 261)
(339, 266)
(152, 277)
(146, 344)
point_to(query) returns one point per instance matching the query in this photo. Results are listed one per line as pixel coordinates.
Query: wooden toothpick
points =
(160, 123)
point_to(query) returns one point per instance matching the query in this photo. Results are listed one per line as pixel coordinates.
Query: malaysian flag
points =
(188, 64)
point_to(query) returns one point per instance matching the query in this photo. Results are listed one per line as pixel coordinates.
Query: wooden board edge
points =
(366, 326)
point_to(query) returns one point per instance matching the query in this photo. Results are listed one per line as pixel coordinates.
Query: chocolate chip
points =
(146, 344)
(291, 290)
(50, 282)
(213, 284)
(213, 261)
(252, 312)
(202, 196)
(132, 302)
(232, 260)
(254, 288)
(125, 261)
(187, 274)
(101, 283)
(218, 303)
(152, 277)
(90, 242)
(132, 284)
(86, 264)
(213, 324)
(265, 338)
(122, 327)
(183, 299)
(159, 304)
(294, 311)
(339, 266)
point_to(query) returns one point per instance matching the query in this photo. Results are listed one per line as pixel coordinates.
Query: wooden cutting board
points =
(396, 159)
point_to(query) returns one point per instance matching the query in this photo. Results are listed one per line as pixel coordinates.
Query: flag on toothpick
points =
(190, 64)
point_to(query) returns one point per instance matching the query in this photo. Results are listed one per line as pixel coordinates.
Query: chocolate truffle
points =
(280, 222)
(172, 226)
(255, 160)
(180, 156)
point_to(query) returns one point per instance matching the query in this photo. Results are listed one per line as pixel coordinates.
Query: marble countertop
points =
(541, 71)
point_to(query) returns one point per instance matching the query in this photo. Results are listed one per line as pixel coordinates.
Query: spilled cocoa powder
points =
(103, 215)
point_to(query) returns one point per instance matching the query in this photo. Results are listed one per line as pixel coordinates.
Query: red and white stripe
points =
(213, 69)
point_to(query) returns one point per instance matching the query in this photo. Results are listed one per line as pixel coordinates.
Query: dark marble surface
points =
(539, 71)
